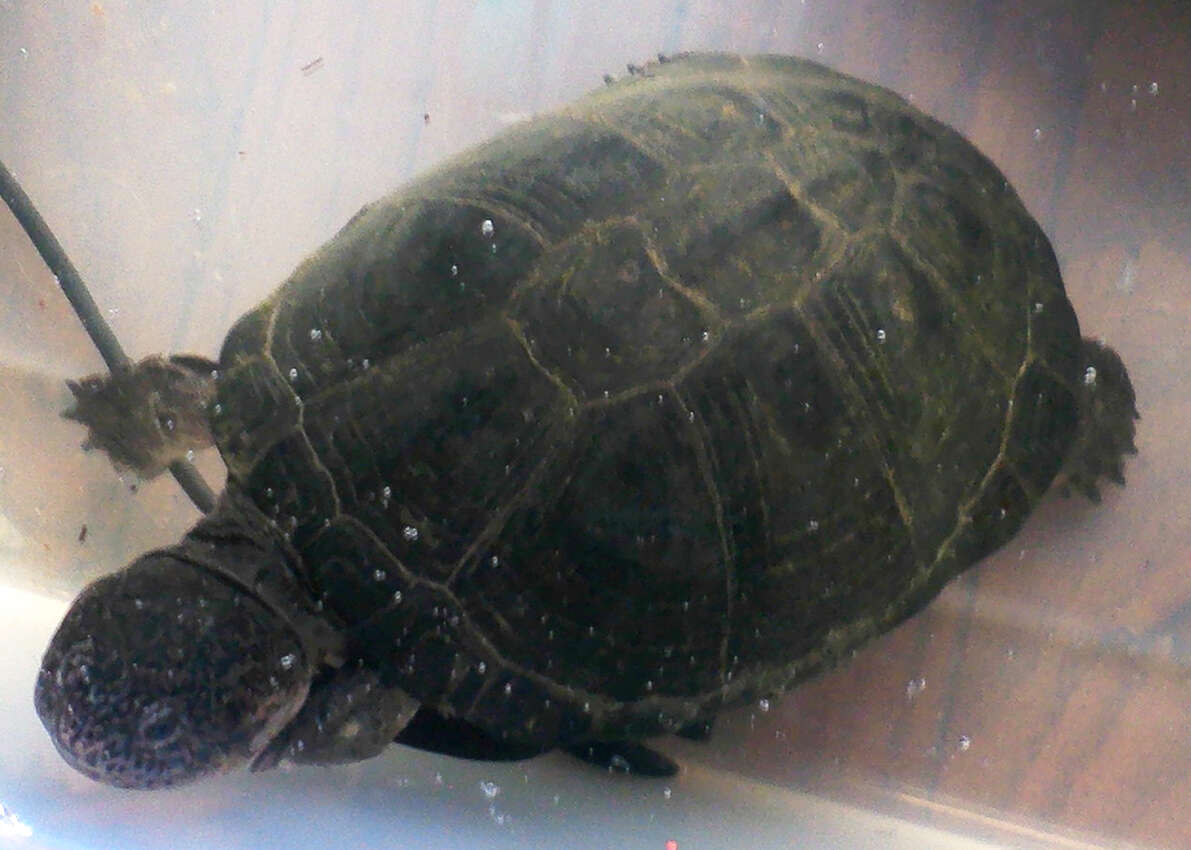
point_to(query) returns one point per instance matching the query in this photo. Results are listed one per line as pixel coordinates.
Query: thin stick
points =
(97, 328)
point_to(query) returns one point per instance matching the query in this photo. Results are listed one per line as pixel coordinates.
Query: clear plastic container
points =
(189, 155)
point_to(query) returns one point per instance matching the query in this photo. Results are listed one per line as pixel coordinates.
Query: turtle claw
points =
(625, 757)
(700, 730)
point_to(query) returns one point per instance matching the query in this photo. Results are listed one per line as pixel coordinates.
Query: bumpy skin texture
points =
(163, 673)
(658, 403)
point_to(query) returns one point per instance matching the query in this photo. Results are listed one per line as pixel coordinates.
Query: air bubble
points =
(190, 455)
(508, 688)
(217, 409)
(1154, 88)
(481, 668)
(490, 789)
(1037, 133)
(288, 660)
(667, 793)
(914, 687)
(763, 705)
(379, 575)
(409, 533)
(454, 271)
(494, 560)
(293, 374)
(965, 743)
(880, 335)
(487, 228)
(813, 525)
(397, 596)
(1089, 376)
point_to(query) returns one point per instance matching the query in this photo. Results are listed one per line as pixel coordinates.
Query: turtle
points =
(649, 407)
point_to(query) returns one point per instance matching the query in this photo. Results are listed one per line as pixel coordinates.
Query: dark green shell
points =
(660, 402)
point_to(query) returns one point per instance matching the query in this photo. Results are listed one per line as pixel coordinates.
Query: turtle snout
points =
(128, 744)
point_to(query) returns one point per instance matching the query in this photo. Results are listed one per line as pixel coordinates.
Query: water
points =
(150, 123)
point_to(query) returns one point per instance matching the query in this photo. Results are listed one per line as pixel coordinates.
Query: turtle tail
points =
(1107, 411)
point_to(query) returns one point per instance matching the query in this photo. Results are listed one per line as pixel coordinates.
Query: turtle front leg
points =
(349, 715)
(149, 415)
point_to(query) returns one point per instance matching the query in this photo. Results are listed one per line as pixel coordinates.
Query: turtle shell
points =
(660, 402)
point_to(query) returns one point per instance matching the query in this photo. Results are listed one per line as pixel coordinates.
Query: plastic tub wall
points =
(189, 155)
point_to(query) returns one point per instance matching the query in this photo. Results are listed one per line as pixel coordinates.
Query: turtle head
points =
(165, 672)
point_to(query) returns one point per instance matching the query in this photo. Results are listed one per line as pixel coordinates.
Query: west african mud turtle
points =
(651, 406)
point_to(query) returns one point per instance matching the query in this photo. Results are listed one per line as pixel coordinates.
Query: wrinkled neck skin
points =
(239, 543)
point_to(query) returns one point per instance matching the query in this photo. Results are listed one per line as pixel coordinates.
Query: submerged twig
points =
(71, 283)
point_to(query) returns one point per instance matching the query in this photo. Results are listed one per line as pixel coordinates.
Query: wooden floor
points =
(189, 159)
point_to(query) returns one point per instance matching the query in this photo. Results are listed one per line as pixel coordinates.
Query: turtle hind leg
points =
(624, 756)
(148, 415)
(449, 736)
(699, 730)
(1107, 411)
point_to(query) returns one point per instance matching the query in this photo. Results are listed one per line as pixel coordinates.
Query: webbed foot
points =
(149, 415)
(1107, 411)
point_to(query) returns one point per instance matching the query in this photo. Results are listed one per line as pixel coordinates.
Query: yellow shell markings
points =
(703, 457)
(846, 635)
(859, 397)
